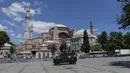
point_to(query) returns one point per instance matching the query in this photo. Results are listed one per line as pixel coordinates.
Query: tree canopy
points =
(124, 19)
(12, 50)
(63, 47)
(86, 45)
(96, 47)
(52, 47)
(4, 38)
(115, 40)
(127, 40)
(102, 39)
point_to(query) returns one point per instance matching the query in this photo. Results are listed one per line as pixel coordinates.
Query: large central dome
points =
(60, 25)
(80, 33)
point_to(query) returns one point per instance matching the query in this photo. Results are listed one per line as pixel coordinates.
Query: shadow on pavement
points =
(125, 64)
(63, 64)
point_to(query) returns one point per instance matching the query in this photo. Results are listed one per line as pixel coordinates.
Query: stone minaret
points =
(91, 26)
(31, 30)
(27, 32)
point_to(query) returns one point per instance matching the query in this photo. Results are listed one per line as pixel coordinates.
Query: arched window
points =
(6, 53)
(1, 53)
(34, 47)
(78, 51)
(63, 35)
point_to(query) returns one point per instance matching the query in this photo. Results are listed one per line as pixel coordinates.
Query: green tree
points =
(102, 39)
(111, 42)
(111, 46)
(127, 40)
(53, 48)
(12, 50)
(117, 38)
(114, 42)
(4, 38)
(63, 47)
(97, 47)
(11, 43)
(124, 19)
(86, 45)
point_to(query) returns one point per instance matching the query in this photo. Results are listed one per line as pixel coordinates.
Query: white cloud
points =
(15, 10)
(38, 11)
(25, 4)
(20, 40)
(11, 31)
(41, 26)
(19, 19)
(12, 24)
(2, 28)
(32, 11)
(16, 7)
(19, 36)
(8, 12)
(12, 34)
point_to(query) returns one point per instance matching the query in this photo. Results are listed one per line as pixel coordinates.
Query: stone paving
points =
(89, 65)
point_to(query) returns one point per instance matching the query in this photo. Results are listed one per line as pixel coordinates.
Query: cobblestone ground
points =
(89, 65)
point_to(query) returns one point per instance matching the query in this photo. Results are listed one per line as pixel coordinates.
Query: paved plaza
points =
(89, 65)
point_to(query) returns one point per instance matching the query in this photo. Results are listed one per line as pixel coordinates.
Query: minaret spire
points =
(31, 31)
(27, 25)
(91, 25)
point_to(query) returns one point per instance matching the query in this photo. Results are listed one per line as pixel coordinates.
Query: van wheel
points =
(74, 63)
(55, 63)
(70, 62)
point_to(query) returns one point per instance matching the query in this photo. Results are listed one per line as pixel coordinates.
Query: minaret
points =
(27, 26)
(31, 31)
(91, 26)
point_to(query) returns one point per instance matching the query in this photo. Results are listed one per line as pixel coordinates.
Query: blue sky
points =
(47, 13)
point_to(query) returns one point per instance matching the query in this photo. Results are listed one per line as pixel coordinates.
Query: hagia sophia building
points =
(38, 47)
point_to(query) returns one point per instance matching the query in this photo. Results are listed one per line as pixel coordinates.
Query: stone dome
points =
(50, 41)
(60, 25)
(43, 45)
(7, 45)
(95, 36)
(80, 33)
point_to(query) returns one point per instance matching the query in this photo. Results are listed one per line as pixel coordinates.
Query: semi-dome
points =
(60, 25)
(80, 33)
